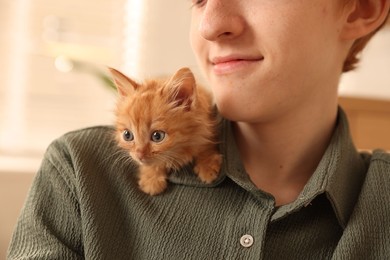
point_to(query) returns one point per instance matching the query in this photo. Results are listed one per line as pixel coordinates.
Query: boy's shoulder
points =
(381, 156)
(90, 136)
(366, 233)
(85, 142)
(375, 190)
(379, 165)
(89, 132)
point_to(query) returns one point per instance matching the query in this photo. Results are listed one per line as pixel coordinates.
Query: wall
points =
(13, 190)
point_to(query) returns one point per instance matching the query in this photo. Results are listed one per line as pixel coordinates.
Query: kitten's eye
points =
(158, 136)
(128, 135)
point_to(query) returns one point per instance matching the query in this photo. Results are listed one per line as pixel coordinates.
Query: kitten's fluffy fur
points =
(165, 124)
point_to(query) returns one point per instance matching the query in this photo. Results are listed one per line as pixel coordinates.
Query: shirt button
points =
(246, 240)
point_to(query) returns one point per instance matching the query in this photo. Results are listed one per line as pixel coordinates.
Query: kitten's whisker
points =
(171, 159)
(119, 157)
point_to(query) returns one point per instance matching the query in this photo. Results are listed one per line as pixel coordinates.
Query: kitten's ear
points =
(184, 87)
(124, 84)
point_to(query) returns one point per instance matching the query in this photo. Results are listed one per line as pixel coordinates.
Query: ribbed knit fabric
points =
(85, 204)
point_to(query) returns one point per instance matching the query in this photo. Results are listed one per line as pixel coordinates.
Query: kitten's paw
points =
(153, 186)
(208, 168)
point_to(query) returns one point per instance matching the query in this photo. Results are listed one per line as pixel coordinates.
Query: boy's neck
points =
(281, 156)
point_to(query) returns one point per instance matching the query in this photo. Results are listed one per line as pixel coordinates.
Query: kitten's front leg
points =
(152, 180)
(207, 165)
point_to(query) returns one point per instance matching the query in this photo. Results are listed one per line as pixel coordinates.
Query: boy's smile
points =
(234, 62)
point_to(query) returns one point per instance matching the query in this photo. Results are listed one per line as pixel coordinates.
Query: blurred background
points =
(53, 60)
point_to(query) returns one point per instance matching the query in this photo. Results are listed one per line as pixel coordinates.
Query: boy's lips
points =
(229, 64)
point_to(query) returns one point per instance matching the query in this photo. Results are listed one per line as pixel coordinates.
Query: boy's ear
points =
(364, 17)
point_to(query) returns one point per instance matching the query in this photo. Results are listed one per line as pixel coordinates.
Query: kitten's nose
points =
(141, 155)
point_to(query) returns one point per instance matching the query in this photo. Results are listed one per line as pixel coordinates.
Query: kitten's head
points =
(154, 119)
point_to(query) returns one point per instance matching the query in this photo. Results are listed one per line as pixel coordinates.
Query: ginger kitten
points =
(166, 124)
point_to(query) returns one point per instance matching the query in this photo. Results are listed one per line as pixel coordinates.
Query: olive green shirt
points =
(85, 203)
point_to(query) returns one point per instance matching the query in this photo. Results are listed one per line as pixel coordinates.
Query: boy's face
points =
(267, 58)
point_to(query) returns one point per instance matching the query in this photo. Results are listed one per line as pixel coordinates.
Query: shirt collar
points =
(339, 174)
(341, 171)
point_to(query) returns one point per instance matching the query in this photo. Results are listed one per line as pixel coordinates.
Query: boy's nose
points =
(221, 20)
